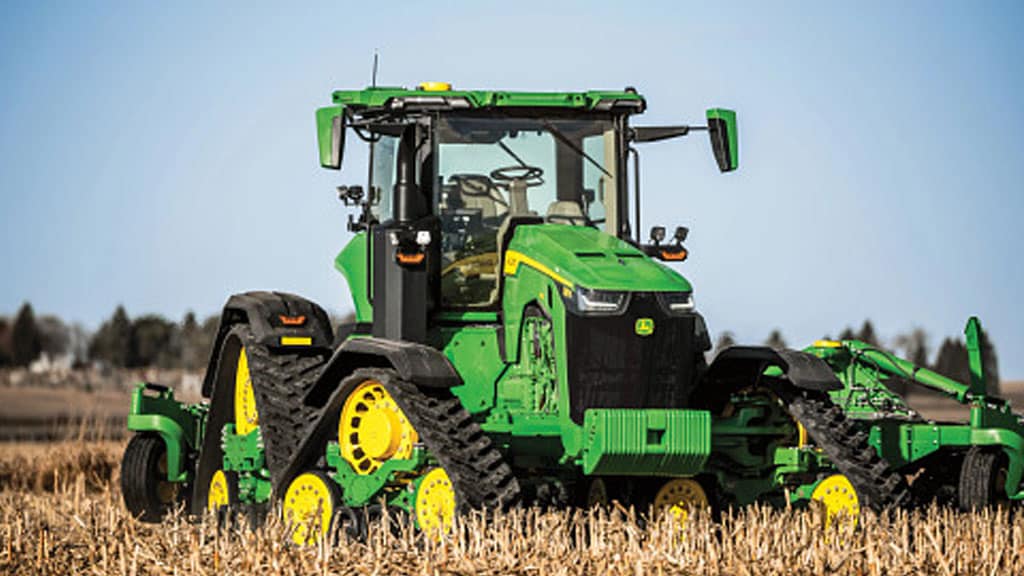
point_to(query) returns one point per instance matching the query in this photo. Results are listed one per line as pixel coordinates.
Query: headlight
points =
(676, 303)
(597, 302)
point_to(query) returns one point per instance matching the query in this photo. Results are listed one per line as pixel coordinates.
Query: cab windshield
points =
(562, 171)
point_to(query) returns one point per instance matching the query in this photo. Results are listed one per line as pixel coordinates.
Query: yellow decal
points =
(513, 259)
(435, 87)
(296, 341)
(644, 326)
(827, 344)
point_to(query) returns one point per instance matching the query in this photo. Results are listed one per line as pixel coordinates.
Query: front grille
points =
(610, 366)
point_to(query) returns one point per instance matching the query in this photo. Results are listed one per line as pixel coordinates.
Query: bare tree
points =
(775, 340)
(914, 346)
(26, 344)
(725, 340)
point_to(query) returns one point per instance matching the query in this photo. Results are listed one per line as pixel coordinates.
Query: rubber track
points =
(478, 471)
(846, 445)
(280, 382)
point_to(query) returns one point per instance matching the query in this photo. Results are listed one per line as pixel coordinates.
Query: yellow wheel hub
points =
(247, 418)
(435, 502)
(839, 498)
(308, 508)
(219, 495)
(679, 496)
(373, 429)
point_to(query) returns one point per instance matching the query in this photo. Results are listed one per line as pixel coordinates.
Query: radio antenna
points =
(374, 79)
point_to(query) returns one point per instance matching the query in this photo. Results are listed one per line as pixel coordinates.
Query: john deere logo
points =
(644, 326)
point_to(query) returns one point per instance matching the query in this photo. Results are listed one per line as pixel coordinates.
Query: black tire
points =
(878, 486)
(143, 479)
(982, 479)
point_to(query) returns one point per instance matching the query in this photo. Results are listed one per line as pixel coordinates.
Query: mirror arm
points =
(641, 134)
(636, 189)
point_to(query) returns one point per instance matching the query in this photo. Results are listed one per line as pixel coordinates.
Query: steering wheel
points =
(478, 186)
(529, 175)
(563, 219)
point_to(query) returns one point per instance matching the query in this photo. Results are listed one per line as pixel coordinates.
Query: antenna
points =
(374, 79)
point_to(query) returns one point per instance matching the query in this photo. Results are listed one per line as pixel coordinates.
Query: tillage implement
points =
(971, 464)
(516, 342)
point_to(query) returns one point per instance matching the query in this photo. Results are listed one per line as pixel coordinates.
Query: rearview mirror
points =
(722, 129)
(330, 133)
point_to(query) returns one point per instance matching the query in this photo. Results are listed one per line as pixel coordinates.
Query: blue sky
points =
(163, 155)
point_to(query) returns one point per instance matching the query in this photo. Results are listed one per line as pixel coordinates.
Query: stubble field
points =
(61, 513)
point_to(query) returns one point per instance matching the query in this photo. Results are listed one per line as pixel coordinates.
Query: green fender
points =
(154, 410)
(1013, 446)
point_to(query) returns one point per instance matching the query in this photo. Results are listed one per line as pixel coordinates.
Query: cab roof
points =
(396, 98)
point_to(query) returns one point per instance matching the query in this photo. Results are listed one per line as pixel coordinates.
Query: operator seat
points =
(566, 211)
(489, 207)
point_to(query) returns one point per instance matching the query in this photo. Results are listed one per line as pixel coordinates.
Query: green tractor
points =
(516, 341)
(972, 464)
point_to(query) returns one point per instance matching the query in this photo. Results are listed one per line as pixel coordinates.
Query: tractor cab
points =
(453, 174)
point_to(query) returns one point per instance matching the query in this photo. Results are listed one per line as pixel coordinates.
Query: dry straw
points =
(76, 524)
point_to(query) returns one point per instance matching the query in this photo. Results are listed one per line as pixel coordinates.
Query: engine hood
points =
(590, 258)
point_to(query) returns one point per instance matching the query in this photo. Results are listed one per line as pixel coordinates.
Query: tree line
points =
(950, 359)
(149, 340)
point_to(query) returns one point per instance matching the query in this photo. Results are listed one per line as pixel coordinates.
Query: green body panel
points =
(590, 258)
(180, 426)
(361, 489)
(646, 442)
(474, 351)
(382, 96)
(353, 263)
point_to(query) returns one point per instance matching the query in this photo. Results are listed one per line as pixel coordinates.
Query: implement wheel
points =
(147, 493)
(982, 479)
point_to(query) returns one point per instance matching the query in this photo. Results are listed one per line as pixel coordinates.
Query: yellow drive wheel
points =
(221, 494)
(679, 496)
(839, 498)
(309, 505)
(247, 418)
(435, 502)
(373, 429)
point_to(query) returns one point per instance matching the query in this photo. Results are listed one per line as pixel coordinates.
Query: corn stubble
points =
(61, 513)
